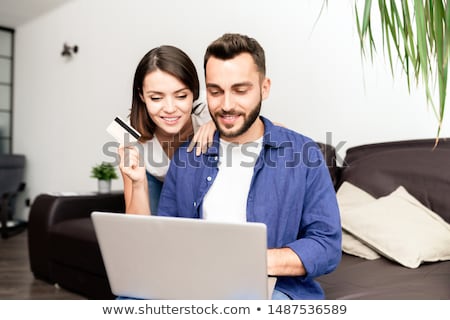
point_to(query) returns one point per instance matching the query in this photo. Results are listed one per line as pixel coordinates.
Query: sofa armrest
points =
(47, 210)
(329, 154)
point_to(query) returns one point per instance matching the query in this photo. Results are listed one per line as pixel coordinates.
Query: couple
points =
(276, 176)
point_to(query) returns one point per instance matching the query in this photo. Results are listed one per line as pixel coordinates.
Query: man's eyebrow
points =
(236, 85)
(242, 84)
(212, 85)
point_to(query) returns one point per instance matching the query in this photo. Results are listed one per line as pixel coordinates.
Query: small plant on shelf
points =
(104, 173)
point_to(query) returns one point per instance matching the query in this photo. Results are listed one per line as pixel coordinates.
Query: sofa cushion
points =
(350, 197)
(383, 279)
(423, 170)
(399, 227)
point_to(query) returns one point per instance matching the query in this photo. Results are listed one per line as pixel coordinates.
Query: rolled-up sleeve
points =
(320, 235)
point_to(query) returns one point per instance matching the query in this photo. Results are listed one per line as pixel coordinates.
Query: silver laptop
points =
(151, 257)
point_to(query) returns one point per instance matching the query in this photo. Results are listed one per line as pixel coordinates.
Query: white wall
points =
(319, 83)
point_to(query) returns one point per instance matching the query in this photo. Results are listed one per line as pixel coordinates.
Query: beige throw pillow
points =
(399, 227)
(349, 197)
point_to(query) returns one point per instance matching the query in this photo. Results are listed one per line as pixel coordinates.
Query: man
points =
(258, 172)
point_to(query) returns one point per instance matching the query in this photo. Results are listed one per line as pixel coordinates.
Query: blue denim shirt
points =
(291, 192)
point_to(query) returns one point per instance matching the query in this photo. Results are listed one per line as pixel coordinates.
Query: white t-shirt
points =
(156, 160)
(226, 200)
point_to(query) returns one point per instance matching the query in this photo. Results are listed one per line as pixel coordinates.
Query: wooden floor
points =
(16, 279)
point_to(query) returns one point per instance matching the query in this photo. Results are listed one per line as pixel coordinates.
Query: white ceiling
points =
(13, 13)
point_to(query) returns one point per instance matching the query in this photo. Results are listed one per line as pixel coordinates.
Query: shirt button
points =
(195, 204)
(209, 178)
(216, 158)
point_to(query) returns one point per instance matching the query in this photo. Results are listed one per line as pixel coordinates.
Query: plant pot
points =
(104, 186)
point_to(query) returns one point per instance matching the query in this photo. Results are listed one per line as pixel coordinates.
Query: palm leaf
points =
(420, 40)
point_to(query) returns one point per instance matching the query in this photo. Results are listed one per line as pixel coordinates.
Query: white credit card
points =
(122, 132)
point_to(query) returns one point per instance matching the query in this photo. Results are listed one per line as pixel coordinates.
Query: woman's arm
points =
(134, 182)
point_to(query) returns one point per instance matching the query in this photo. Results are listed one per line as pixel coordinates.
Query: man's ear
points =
(265, 88)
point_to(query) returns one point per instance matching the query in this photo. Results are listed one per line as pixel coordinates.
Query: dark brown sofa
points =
(63, 247)
(379, 169)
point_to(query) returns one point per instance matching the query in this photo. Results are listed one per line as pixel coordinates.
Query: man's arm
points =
(318, 248)
(284, 262)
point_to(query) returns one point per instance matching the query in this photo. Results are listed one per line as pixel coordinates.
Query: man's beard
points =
(248, 121)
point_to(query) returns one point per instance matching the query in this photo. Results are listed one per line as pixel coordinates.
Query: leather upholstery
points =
(422, 169)
(379, 169)
(62, 244)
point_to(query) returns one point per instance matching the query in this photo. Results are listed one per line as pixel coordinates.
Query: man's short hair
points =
(230, 45)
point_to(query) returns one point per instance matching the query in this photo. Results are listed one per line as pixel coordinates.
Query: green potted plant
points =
(104, 173)
(416, 34)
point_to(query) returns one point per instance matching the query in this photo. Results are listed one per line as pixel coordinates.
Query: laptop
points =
(153, 257)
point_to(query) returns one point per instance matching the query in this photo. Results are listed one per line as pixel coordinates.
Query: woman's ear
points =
(142, 97)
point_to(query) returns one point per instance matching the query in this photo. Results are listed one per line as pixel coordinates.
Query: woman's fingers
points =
(130, 163)
(203, 138)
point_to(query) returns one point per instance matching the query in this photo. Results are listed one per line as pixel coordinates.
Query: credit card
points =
(122, 132)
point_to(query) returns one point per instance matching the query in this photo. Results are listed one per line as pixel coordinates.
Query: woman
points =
(165, 87)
